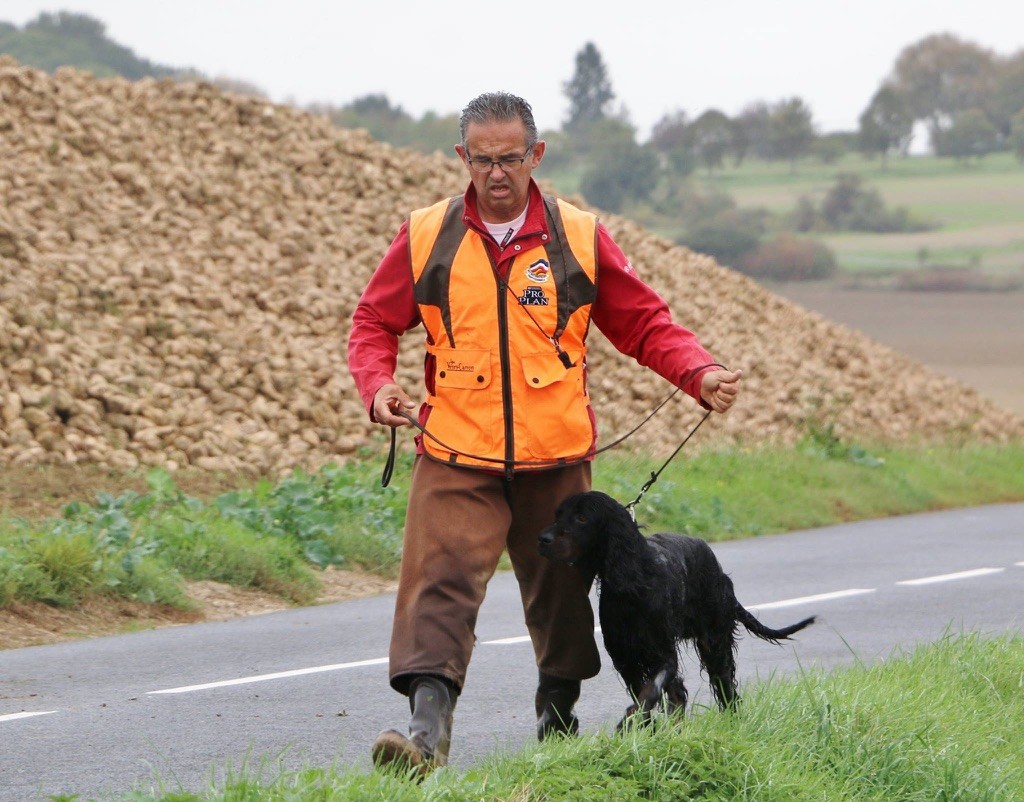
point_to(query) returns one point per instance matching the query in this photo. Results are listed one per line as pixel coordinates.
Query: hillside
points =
(64, 38)
(178, 267)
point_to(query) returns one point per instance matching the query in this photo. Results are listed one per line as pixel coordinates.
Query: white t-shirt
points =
(503, 232)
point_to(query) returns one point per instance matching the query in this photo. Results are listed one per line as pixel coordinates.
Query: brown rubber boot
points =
(431, 701)
(554, 702)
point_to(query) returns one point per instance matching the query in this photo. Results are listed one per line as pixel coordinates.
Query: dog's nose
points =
(546, 538)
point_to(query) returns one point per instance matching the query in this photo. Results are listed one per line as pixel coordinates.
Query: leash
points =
(389, 464)
(655, 474)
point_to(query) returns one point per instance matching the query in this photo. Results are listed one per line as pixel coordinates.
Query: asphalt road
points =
(181, 707)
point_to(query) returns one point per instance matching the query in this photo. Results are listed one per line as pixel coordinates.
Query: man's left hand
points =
(719, 388)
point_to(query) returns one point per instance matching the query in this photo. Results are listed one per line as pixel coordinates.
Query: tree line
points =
(969, 99)
(65, 38)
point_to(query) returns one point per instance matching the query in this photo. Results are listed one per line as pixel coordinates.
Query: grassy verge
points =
(944, 723)
(737, 493)
(142, 545)
(274, 536)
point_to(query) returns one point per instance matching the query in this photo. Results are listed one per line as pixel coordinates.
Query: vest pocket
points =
(557, 419)
(461, 415)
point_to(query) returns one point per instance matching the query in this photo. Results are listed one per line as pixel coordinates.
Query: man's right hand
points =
(389, 399)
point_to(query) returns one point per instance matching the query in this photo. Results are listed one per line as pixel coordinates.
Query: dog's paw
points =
(635, 717)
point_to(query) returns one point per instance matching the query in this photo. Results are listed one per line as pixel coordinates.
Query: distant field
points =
(976, 337)
(980, 207)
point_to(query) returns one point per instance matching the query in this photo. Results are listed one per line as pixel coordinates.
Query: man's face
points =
(502, 194)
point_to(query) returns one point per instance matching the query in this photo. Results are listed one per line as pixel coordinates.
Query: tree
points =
(790, 130)
(79, 26)
(375, 113)
(941, 76)
(672, 139)
(970, 135)
(740, 142)
(726, 236)
(620, 169)
(886, 125)
(754, 122)
(831, 147)
(434, 132)
(589, 91)
(1008, 96)
(712, 136)
(670, 132)
(77, 40)
(1016, 140)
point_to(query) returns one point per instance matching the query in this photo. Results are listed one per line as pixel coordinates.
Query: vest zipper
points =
(506, 382)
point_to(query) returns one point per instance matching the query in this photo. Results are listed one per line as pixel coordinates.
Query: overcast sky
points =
(437, 54)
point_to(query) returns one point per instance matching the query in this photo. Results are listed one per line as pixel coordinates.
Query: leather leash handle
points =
(389, 463)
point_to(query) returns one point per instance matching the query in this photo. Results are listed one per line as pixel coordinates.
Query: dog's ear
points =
(611, 510)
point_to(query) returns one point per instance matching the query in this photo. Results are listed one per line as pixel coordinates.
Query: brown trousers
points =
(458, 522)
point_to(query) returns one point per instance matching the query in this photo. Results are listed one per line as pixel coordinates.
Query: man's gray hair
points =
(499, 107)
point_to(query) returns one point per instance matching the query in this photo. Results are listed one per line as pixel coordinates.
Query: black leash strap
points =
(389, 464)
(657, 473)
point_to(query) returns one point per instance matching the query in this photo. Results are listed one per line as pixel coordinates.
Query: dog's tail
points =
(755, 627)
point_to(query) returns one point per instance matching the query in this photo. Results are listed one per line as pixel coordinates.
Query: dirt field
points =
(975, 337)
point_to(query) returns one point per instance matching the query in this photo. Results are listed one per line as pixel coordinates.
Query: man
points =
(506, 282)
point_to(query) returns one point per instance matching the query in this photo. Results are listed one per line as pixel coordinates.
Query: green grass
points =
(721, 495)
(945, 722)
(275, 537)
(979, 207)
(914, 172)
(142, 546)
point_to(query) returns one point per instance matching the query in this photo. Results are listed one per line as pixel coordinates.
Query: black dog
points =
(654, 593)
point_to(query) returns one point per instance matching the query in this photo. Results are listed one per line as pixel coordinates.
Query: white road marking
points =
(298, 672)
(820, 597)
(928, 580)
(13, 716)
(519, 639)
(839, 594)
(507, 641)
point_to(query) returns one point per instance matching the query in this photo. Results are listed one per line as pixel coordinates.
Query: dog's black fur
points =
(655, 592)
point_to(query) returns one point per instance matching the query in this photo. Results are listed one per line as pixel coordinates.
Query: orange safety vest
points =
(506, 358)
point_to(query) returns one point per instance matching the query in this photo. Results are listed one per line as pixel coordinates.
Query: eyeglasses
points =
(508, 164)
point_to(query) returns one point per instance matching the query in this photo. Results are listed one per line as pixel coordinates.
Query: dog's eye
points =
(580, 518)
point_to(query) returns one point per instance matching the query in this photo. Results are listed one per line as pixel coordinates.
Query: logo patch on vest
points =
(539, 271)
(533, 296)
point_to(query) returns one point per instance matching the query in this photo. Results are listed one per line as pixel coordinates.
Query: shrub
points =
(21, 580)
(727, 236)
(971, 135)
(850, 206)
(1016, 141)
(789, 258)
(228, 551)
(71, 564)
(830, 148)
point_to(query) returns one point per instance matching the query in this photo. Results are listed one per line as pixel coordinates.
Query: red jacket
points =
(634, 318)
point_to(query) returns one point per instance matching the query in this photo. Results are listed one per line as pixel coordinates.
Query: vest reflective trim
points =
(444, 225)
(581, 282)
